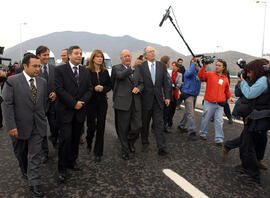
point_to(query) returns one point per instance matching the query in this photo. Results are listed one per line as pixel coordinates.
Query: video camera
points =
(242, 65)
(205, 60)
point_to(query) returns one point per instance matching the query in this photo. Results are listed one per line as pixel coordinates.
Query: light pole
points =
(265, 5)
(21, 24)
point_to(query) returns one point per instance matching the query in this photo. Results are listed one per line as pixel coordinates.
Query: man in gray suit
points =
(127, 88)
(24, 108)
(47, 72)
(155, 80)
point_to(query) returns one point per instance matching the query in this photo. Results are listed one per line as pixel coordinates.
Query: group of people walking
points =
(70, 93)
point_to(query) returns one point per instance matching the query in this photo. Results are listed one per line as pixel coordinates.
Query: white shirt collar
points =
(28, 78)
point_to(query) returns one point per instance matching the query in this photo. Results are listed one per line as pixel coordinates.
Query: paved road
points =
(199, 162)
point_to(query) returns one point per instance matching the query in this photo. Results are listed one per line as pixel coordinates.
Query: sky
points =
(207, 25)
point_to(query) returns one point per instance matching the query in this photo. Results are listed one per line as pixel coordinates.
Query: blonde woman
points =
(97, 106)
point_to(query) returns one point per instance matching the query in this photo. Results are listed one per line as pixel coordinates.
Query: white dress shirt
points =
(150, 65)
(71, 65)
(28, 79)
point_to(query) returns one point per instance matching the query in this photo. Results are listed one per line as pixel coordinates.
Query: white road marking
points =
(200, 111)
(184, 184)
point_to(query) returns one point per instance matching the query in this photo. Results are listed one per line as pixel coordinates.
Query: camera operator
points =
(216, 93)
(254, 107)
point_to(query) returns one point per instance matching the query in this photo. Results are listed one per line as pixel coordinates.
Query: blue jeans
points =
(188, 118)
(212, 110)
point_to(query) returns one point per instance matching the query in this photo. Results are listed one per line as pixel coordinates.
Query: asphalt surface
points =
(199, 162)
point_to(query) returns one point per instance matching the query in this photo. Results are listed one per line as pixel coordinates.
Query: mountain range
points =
(113, 45)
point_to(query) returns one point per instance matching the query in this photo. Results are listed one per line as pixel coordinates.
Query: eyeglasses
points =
(152, 51)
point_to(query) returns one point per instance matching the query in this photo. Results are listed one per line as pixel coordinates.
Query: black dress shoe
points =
(98, 159)
(125, 156)
(62, 177)
(131, 148)
(44, 159)
(24, 175)
(145, 148)
(162, 152)
(182, 130)
(88, 150)
(54, 142)
(75, 167)
(166, 130)
(36, 191)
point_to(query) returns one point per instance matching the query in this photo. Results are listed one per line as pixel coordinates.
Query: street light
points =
(265, 5)
(21, 24)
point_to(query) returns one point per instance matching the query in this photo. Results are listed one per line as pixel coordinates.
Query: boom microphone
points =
(165, 16)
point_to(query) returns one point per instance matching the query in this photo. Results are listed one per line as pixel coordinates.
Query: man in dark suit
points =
(47, 72)
(127, 90)
(155, 80)
(24, 110)
(74, 89)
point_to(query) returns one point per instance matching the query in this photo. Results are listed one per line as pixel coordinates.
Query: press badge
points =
(220, 82)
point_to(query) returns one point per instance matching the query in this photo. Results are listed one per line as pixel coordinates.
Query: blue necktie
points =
(153, 73)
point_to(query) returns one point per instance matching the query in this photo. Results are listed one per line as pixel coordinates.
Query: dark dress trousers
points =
(70, 120)
(152, 102)
(127, 105)
(97, 111)
(51, 111)
(21, 112)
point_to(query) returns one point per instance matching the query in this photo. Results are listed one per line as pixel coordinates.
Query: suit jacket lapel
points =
(38, 88)
(26, 87)
(147, 71)
(81, 74)
(157, 71)
(71, 74)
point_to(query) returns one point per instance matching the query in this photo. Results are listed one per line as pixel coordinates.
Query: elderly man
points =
(127, 88)
(154, 75)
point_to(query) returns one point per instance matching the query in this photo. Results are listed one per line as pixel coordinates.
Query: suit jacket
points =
(19, 109)
(124, 80)
(69, 92)
(50, 83)
(103, 79)
(152, 91)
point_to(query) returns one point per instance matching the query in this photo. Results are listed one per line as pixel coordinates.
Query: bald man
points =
(127, 88)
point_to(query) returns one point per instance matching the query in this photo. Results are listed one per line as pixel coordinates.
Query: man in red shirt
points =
(216, 94)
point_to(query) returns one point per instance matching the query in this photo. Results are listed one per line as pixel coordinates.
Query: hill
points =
(112, 45)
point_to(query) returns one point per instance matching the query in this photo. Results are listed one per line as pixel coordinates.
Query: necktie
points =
(76, 74)
(33, 90)
(45, 73)
(153, 73)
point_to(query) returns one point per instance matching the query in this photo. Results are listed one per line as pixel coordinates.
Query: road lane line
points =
(200, 111)
(184, 184)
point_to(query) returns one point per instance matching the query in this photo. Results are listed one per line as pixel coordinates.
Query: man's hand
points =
(99, 88)
(13, 132)
(167, 102)
(3, 74)
(52, 96)
(231, 100)
(79, 105)
(135, 90)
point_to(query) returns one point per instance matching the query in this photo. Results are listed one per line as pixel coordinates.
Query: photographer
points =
(255, 107)
(216, 93)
